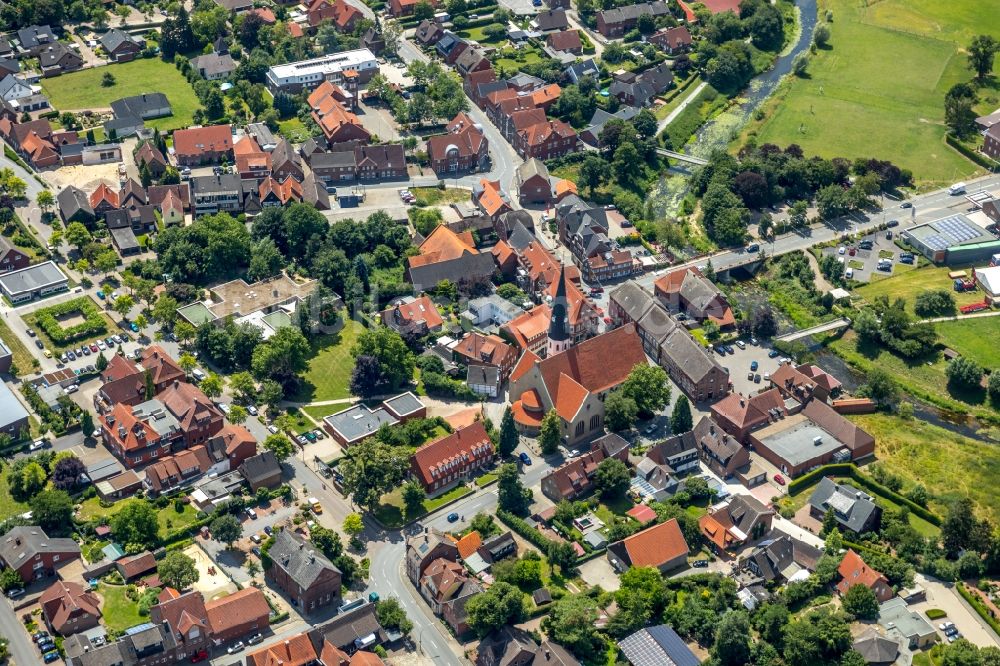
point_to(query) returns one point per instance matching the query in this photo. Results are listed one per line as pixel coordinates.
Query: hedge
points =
(977, 604)
(519, 525)
(94, 324)
(851, 470)
(979, 159)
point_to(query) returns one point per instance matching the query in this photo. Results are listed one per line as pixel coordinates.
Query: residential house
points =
(333, 167)
(216, 194)
(339, 125)
(30, 552)
(657, 645)
(577, 71)
(146, 645)
(252, 162)
(533, 183)
(529, 331)
(120, 46)
(286, 162)
(854, 510)
(261, 471)
(447, 588)
(427, 546)
(484, 380)
(57, 58)
(171, 471)
(479, 84)
(687, 290)
(13, 415)
(214, 66)
(725, 455)
(185, 616)
(380, 162)
(907, 625)
(692, 367)
(661, 546)
(491, 199)
(658, 474)
(428, 32)
(342, 14)
(574, 479)
(414, 316)
(238, 614)
(33, 140)
(551, 20)
(139, 434)
(510, 646)
(11, 259)
(69, 608)
(567, 41)
(728, 525)
(198, 417)
(399, 8)
(445, 462)
(74, 206)
(672, 40)
(171, 210)
(373, 40)
(853, 571)
(356, 629)
(738, 415)
(546, 140)
(876, 649)
(450, 46)
(136, 566)
(613, 23)
(476, 349)
(150, 156)
(575, 381)
(991, 142)
(13, 88)
(273, 194)
(638, 90)
(203, 145)
(314, 192)
(145, 107)
(464, 148)
(800, 383)
(308, 578)
(34, 38)
(780, 559)
(296, 650)
(124, 381)
(445, 255)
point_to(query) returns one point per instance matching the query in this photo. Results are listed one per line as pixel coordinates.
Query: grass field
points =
(118, 610)
(83, 90)
(8, 505)
(23, 358)
(878, 90)
(329, 373)
(973, 338)
(949, 465)
(435, 196)
(167, 517)
(392, 512)
(910, 283)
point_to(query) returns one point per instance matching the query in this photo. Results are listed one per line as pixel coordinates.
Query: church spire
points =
(559, 337)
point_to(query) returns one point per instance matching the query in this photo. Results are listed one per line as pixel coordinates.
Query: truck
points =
(316, 507)
(957, 188)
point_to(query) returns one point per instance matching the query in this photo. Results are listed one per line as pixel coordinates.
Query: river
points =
(719, 131)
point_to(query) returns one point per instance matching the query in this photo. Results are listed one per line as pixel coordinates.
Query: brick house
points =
(991, 142)
(197, 415)
(11, 259)
(308, 578)
(616, 22)
(238, 614)
(203, 145)
(380, 162)
(672, 40)
(443, 463)
(548, 140)
(478, 349)
(463, 148)
(661, 546)
(124, 381)
(853, 571)
(184, 615)
(34, 555)
(69, 608)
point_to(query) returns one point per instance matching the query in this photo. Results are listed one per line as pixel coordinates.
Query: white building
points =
(989, 281)
(307, 74)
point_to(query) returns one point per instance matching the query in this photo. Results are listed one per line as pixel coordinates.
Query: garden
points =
(70, 323)
(329, 374)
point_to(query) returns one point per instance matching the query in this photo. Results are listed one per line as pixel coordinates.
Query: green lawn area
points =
(83, 90)
(948, 465)
(118, 610)
(973, 338)
(486, 479)
(663, 110)
(167, 517)
(435, 196)
(878, 89)
(293, 129)
(476, 34)
(23, 359)
(8, 505)
(319, 412)
(392, 512)
(907, 285)
(109, 325)
(329, 373)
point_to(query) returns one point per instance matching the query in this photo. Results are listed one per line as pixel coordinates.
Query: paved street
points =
(22, 650)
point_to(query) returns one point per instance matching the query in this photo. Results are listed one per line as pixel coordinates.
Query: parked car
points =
(94, 348)
(301, 439)
(318, 432)
(946, 626)
(756, 378)
(524, 458)
(268, 530)
(50, 656)
(906, 204)
(651, 428)
(273, 429)
(754, 247)
(780, 480)
(841, 250)
(200, 655)
(750, 376)
(235, 647)
(452, 517)
(71, 354)
(311, 436)
(255, 550)
(39, 635)
(36, 445)
(730, 350)
(773, 353)
(256, 638)
(892, 223)
(753, 366)
(72, 388)
(251, 513)
(46, 644)
(86, 350)
(30, 333)
(15, 593)
(251, 410)
(39, 344)
(699, 564)
(101, 346)
(741, 344)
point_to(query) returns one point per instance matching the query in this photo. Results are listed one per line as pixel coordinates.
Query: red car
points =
(780, 480)
(200, 655)
(607, 320)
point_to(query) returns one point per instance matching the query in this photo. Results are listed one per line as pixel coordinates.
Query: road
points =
(34, 187)
(22, 650)
(926, 208)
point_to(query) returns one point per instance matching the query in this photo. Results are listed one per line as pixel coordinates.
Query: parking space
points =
(875, 253)
(233, 561)
(740, 363)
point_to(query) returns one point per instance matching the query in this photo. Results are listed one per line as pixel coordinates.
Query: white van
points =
(849, 273)
(957, 188)
(198, 374)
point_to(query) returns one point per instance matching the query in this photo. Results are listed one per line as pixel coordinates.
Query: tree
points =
(87, 422)
(52, 510)
(647, 385)
(283, 357)
(982, 52)
(270, 393)
(993, 387)
(423, 10)
(961, 529)
(391, 615)
(123, 305)
(880, 387)
(353, 525)
(226, 529)
(177, 570)
(562, 555)
(511, 494)
(366, 377)
(834, 540)
(10, 579)
(45, 201)
(244, 386)
(571, 624)
(681, 420)
(509, 438)
(136, 525)
(800, 65)
(237, 414)
(67, 472)
(327, 541)
(413, 496)
(108, 80)
(388, 347)
(548, 435)
(821, 35)
(732, 639)
(821, 636)
(612, 478)
(958, 109)
(964, 373)
(252, 567)
(212, 385)
(593, 172)
(279, 445)
(620, 411)
(25, 479)
(372, 469)
(770, 622)
(861, 602)
(500, 605)
(77, 235)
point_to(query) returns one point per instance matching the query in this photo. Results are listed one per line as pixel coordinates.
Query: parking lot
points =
(739, 363)
(863, 263)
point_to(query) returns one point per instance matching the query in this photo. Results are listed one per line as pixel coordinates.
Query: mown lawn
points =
(910, 283)
(82, 90)
(878, 89)
(948, 465)
(168, 518)
(8, 505)
(23, 359)
(119, 612)
(435, 196)
(974, 338)
(392, 512)
(329, 373)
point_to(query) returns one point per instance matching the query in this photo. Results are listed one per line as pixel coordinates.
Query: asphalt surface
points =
(22, 650)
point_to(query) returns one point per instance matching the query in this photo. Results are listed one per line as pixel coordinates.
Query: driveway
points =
(599, 571)
(945, 597)
(739, 362)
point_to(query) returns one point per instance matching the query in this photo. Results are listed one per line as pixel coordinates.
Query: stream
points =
(719, 131)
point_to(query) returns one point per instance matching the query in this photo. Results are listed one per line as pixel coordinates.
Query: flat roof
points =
(359, 421)
(792, 439)
(38, 276)
(952, 231)
(196, 313)
(404, 404)
(239, 298)
(334, 62)
(11, 409)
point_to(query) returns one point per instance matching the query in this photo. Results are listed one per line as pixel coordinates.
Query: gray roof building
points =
(261, 469)
(854, 509)
(897, 618)
(33, 282)
(214, 65)
(592, 133)
(145, 106)
(114, 38)
(577, 71)
(781, 558)
(74, 205)
(34, 36)
(22, 544)
(13, 415)
(875, 648)
(356, 629)
(657, 646)
(300, 561)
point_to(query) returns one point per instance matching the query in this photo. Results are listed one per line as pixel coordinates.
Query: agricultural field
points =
(878, 89)
(82, 90)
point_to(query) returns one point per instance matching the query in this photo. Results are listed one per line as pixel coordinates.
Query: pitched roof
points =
(198, 140)
(65, 600)
(443, 244)
(876, 649)
(236, 609)
(657, 645)
(853, 571)
(420, 309)
(302, 562)
(260, 466)
(295, 650)
(105, 194)
(433, 460)
(567, 40)
(656, 545)
(469, 544)
(182, 614)
(491, 198)
(742, 411)
(136, 565)
(543, 132)
(188, 404)
(249, 156)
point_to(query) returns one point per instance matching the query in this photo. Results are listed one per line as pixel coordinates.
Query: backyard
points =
(22, 357)
(119, 612)
(329, 373)
(82, 90)
(878, 89)
(8, 505)
(168, 517)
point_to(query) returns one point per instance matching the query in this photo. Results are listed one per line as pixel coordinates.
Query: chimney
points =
(177, 383)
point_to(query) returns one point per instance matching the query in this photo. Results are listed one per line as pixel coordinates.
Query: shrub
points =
(935, 614)
(93, 324)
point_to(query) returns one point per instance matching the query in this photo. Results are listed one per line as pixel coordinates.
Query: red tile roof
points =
(642, 513)
(431, 461)
(657, 545)
(854, 571)
(136, 565)
(196, 141)
(469, 544)
(250, 157)
(296, 650)
(66, 603)
(243, 607)
(183, 613)
(420, 309)
(443, 244)
(104, 193)
(568, 40)
(491, 199)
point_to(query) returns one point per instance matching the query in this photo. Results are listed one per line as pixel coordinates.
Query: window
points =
(579, 428)
(595, 421)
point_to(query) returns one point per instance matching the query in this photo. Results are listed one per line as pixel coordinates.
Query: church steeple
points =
(559, 337)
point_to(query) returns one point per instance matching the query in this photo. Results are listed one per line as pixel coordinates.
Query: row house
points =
(274, 194)
(252, 163)
(445, 462)
(687, 290)
(222, 453)
(338, 124)
(385, 161)
(139, 434)
(35, 141)
(285, 161)
(197, 146)
(149, 155)
(612, 23)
